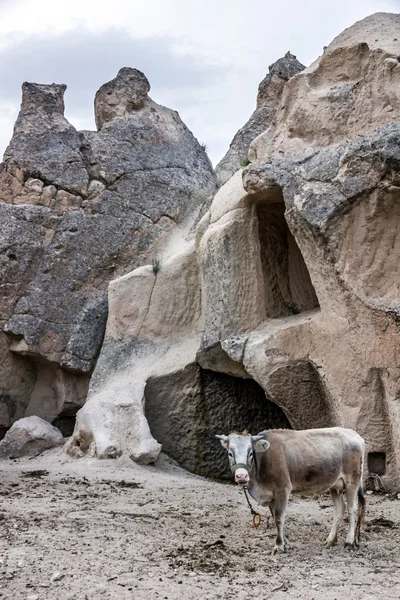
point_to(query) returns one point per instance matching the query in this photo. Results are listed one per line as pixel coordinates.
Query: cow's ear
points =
(224, 441)
(261, 445)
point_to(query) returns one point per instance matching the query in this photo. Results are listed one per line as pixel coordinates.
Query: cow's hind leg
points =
(279, 510)
(271, 506)
(338, 503)
(352, 509)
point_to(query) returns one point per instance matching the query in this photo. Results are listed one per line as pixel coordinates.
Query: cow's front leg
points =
(279, 510)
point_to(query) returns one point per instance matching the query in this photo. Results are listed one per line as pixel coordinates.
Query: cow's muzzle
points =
(241, 472)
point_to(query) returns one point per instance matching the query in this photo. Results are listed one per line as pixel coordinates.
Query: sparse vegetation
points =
(204, 147)
(156, 265)
(245, 162)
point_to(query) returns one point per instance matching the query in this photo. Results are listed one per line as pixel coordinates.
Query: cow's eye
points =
(230, 454)
(251, 454)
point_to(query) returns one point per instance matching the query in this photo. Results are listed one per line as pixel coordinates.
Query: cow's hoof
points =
(330, 543)
(350, 545)
(278, 550)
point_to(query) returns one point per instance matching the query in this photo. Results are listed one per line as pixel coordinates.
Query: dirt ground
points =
(88, 530)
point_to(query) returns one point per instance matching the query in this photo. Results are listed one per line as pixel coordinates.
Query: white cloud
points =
(229, 41)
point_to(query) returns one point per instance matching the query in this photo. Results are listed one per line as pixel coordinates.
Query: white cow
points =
(277, 462)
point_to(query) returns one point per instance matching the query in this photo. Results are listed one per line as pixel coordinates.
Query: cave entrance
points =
(185, 410)
(287, 283)
(65, 424)
(376, 463)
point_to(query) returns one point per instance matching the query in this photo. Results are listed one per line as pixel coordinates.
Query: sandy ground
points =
(88, 530)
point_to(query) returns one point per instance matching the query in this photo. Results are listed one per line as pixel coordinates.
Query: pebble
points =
(32, 597)
(56, 577)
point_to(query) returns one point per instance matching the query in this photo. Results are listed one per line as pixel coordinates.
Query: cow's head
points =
(241, 448)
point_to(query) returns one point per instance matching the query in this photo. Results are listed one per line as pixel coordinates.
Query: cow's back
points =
(311, 460)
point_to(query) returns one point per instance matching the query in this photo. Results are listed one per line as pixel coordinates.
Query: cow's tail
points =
(361, 502)
(361, 512)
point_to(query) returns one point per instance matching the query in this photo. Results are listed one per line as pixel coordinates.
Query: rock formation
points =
(77, 210)
(290, 286)
(268, 99)
(29, 436)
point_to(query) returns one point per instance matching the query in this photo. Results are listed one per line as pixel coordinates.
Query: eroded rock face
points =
(296, 271)
(268, 99)
(79, 209)
(121, 96)
(350, 90)
(149, 332)
(29, 437)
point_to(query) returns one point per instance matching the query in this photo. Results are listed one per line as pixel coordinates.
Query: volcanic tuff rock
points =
(29, 437)
(291, 284)
(77, 210)
(349, 90)
(268, 99)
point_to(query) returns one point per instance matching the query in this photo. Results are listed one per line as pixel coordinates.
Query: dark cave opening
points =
(65, 424)
(185, 410)
(377, 463)
(287, 283)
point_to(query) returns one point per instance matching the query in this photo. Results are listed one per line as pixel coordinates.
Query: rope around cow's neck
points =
(256, 516)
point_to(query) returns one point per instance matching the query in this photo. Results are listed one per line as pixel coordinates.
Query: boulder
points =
(79, 209)
(29, 437)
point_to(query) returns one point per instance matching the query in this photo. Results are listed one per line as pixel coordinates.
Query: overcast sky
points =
(204, 59)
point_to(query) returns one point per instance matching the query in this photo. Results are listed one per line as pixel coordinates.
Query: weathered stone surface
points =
(29, 437)
(349, 90)
(150, 331)
(121, 96)
(268, 99)
(18, 381)
(346, 195)
(56, 393)
(79, 209)
(297, 265)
